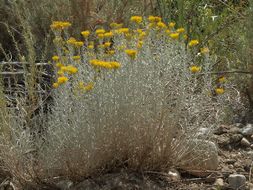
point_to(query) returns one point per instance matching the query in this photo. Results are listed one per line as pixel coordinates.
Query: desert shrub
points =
(135, 98)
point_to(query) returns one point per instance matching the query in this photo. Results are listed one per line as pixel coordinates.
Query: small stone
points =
(239, 125)
(220, 130)
(245, 142)
(219, 182)
(234, 130)
(237, 181)
(247, 130)
(200, 161)
(250, 154)
(64, 184)
(251, 137)
(236, 138)
(230, 161)
(174, 175)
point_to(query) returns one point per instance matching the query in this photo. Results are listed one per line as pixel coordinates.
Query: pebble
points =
(237, 181)
(247, 130)
(236, 138)
(245, 142)
(174, 175)
(234, 130)
(239, 125)
(64, 184)
(219, 182)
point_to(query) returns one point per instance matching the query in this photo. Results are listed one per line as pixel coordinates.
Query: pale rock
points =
(219, 182)
(245, 142)
(174, 175)
(201, 158)
(64, 184)
(239, 125)
(203, 132)
(247, 130)
(237, 181)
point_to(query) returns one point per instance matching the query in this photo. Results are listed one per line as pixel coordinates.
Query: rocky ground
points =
(234, 172)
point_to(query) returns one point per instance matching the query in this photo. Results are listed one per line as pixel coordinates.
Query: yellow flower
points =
(77, 57)
(195, 69)
(154, 19)
(161, 25)
(108, 34)
(59, 65)
(222, 79)
(180, 30)
(131, 53)
(115, 25)
(136, 19)
(71, 41)
(64, 69)
(71, 69)
(139, 44)
(91, 46)
(100, 31)
(123, 30)
(60, 72)
(204, 50)
(110, 52)
(78, 44)
(142, 35)
(89, 86)
(193, 43)
(85, 33)
(101, 36)
(99, 63)
(115, 64)
(59, 25)
(55, 58)
(174, 35)
(219, 90)
(107, 44)
(168, 31)
(62, 80)
(55, 85)
(172, 24)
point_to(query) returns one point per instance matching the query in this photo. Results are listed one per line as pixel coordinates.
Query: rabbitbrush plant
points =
(132, 97)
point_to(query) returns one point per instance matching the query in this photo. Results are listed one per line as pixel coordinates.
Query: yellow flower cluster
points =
(154, 19)
(74, 42)
(195, 69)
(55, 58)
(115, 25)
(105, 64)
(131, 53)
(133, 42)
(85, 33)
(87, 87)
(193, 43)
(136, 19)
(174, 36)
(219, 91)
(59, 25)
